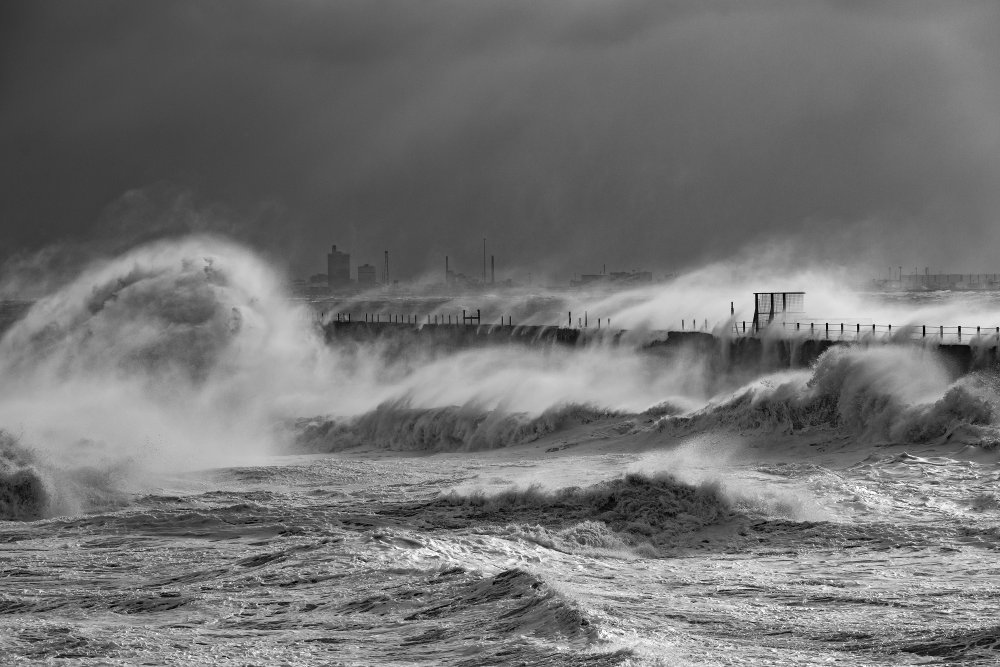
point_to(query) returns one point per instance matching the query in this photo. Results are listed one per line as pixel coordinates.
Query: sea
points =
(194, 472)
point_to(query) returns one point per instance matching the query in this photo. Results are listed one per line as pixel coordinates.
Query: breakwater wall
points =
(765, 352)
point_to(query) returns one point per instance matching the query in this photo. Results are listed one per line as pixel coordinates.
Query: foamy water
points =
(190, 475)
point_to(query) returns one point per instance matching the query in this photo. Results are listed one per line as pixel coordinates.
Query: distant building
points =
(338, 268)
(366, 275)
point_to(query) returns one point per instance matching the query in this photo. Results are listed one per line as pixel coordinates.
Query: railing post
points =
(942, 331)
(960, 333)
(923, 331)
(827, 330)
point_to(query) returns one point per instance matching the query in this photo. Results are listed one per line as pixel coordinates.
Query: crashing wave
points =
(897, 394)
(396, 426)
(636, 510)
(23, 493)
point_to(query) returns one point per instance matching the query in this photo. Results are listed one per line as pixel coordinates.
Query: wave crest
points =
(23, 493)
(899, 394)
(640, 510)
(397, 426)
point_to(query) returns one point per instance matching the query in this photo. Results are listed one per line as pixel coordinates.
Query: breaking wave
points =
(33, 488)
(176, 353)
(654, 513)
(397, 426)
(23, 495)
(880, 393)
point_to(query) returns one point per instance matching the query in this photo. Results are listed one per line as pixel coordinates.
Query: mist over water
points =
(189, 353)
(174, 355)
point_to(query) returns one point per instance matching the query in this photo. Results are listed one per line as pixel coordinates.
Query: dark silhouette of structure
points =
(769, 306)
(366, 276)
(338, 269)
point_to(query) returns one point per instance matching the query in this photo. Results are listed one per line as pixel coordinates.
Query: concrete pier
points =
(770, 352)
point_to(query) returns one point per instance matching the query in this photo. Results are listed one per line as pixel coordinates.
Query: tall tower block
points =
(338, 268)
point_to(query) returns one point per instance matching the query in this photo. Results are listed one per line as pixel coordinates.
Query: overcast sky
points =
(572, 134)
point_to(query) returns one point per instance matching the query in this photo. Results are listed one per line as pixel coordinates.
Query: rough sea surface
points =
(189, 474)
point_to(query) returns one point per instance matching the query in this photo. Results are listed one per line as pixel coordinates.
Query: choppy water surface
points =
(889, 560)
(190, 475)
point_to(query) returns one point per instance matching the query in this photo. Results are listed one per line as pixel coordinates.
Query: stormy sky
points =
(571, 133)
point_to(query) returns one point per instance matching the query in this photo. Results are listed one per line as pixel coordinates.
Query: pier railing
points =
(810, 330)
(857, 331)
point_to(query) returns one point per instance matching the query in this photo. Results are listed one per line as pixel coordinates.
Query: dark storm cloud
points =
(636, 134)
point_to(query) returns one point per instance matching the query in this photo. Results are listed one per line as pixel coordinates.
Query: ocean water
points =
(191, 474)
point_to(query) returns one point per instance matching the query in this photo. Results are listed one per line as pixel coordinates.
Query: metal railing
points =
(809, 330)
(857, 331)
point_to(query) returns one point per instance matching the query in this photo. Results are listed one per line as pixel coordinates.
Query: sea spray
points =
(897, 393)
(177, 354)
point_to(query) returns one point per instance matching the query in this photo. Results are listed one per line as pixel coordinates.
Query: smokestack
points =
(484, 260)
(385, 271)
(493, 275)
(446, 272)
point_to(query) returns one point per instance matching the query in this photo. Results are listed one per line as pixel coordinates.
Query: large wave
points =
(398, 426)
(895, 393)
(174, 355)
(658, 511)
